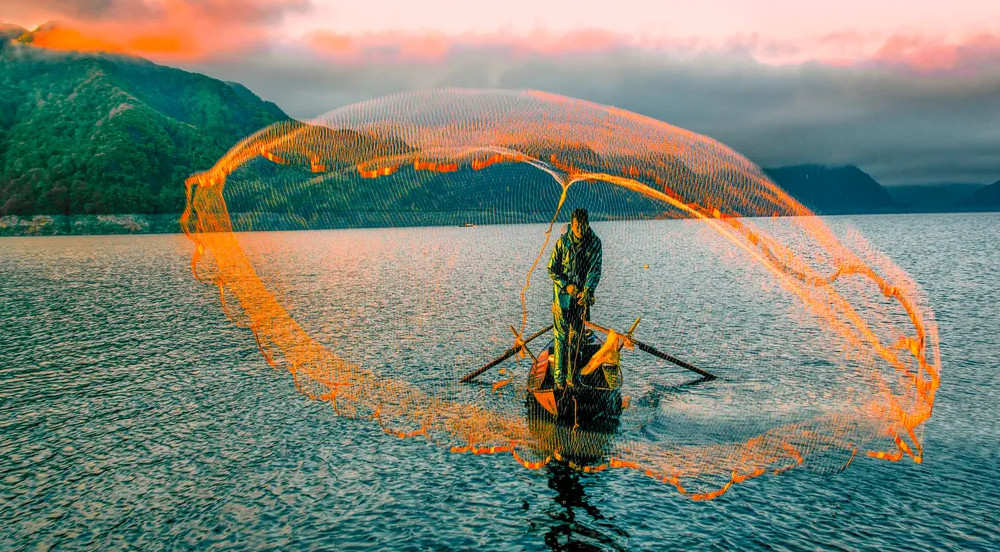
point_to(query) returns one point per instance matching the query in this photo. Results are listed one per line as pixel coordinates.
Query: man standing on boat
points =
(575, 269)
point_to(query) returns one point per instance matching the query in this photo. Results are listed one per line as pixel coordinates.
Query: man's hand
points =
(571, 289)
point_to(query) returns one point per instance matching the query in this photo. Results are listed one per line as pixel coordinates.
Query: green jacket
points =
(576, 262)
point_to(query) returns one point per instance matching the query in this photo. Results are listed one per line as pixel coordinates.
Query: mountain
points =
(834, 190)
(97, 133)
(295, 198)
(986, 198)
(84, 133)
(932, 198)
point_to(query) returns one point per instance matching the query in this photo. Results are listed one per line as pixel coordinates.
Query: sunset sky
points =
(907, 89)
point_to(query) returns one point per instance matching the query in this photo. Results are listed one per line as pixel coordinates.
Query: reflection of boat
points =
(568, 528)
(564, 443)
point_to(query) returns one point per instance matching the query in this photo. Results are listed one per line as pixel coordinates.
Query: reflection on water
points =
(576, 524)
(657, 392)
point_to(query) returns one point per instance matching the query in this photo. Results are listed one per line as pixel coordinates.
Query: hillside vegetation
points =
(93, 134)
(96, 134)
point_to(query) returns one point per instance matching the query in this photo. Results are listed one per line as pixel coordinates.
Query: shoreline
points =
(140, 224)
(88, 225)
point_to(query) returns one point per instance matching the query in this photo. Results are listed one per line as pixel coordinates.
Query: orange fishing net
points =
(824, 347)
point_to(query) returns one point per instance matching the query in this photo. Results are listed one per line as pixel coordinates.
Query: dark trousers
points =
(567, 329)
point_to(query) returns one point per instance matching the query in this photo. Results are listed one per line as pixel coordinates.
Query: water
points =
(134, 415)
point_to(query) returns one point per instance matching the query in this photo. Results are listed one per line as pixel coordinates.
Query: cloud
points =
(431, 46)
(906, 107)
(80, 10)
(166, 31)
(900, 124)
(911, 52)
(924, 55)
(134, 11)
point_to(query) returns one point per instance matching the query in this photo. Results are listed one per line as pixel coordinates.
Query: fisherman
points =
(575, 269)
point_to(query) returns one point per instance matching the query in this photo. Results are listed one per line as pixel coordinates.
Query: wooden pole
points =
(657, 353)
(510, 352)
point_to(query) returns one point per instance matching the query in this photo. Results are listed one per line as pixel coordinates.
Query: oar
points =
(510, 352)
(657, 353)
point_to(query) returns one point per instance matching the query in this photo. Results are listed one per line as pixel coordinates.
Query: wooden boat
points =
(578, 423)
(594, 402)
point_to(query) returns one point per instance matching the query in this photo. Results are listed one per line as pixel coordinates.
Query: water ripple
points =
(134, 416)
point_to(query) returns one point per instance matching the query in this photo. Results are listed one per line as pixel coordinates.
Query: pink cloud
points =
(197, 30)
(385, 47)
(172, 30)
(910, 52)
(431, 46)
(924, 55)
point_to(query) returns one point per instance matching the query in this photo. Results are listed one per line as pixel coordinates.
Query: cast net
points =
(424, 226)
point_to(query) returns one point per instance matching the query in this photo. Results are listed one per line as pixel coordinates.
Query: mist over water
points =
(135, 414)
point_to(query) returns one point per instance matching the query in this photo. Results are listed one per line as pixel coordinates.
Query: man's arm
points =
(555, 265)
(594, 272)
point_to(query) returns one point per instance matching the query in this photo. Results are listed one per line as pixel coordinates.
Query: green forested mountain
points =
(262, 196)
(88, 133)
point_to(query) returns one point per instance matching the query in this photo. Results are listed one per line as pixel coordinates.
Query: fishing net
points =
(424, 223)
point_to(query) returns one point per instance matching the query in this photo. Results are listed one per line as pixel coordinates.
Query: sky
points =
(909, 90)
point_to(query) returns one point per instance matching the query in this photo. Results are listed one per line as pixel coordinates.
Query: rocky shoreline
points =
(79, 225)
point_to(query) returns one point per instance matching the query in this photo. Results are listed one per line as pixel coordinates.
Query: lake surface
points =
(134, 415)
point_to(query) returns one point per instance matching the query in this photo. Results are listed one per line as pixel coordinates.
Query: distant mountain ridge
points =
(834, 190)
(933, 198)
(110, 134)
(846, 189)
(96, 133)
(985, 198)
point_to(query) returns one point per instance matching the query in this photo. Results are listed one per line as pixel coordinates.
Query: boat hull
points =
(593, 403)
